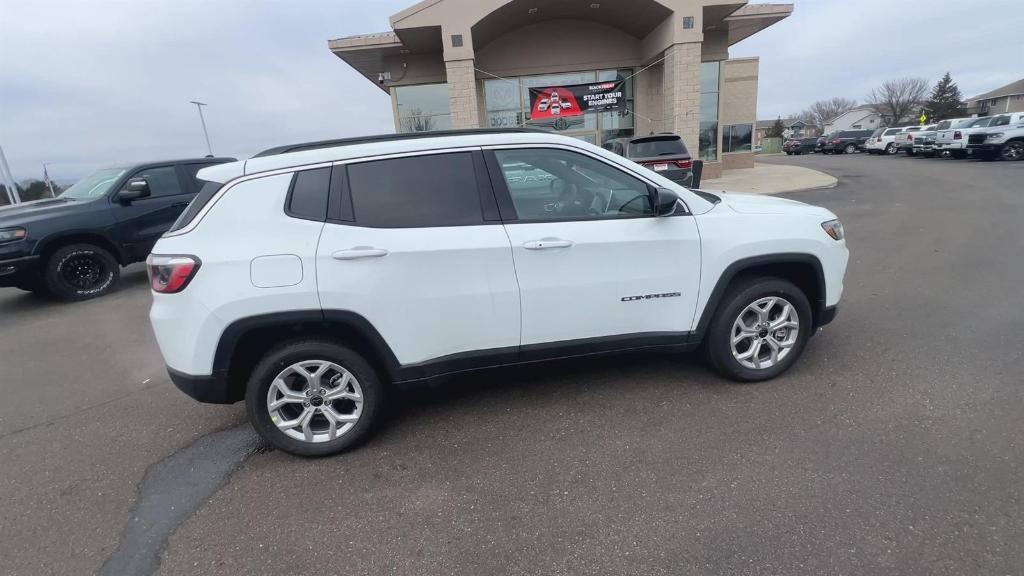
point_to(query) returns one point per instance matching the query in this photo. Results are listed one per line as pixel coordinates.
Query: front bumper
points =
(212, 389)
(986, 147)
(827, 315)
(18, 271)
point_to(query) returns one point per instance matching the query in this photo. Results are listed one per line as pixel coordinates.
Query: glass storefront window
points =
(507, 102)
(423, 108)
(736, 138)
(708, 136)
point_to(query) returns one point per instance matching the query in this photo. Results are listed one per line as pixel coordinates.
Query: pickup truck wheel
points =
(80, 271)
(850, 149)
(313, 398)
(1012, 150)
(759, 330)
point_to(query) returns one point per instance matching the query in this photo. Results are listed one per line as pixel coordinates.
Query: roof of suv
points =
(351, 148)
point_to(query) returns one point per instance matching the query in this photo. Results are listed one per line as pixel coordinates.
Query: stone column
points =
(681, 88)
(462, 94)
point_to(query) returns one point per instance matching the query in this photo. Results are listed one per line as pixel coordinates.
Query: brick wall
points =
(681, 87)
(462, 94)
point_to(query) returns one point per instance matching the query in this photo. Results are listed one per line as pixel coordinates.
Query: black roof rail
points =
(389, 138)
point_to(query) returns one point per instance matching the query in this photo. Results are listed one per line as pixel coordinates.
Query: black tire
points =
(789, 153)
(891, 149)
(80, 272)
(1013, 150)
(309, 350)
(743, 292)
(910, 152)
(985, 156)
(958, 154)
(850, 149)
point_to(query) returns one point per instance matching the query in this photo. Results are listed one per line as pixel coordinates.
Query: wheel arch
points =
(45, 247)
(803, 270)
(246, 340)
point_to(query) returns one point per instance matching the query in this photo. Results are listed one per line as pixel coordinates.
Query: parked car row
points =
(986, 138)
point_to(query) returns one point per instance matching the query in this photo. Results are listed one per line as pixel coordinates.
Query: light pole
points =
(199, 106)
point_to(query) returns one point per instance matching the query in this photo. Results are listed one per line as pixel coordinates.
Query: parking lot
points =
(894, 447)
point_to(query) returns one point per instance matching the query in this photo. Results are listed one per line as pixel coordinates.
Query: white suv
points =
(307, 279)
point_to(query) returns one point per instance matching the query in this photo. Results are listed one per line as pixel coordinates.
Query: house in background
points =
(1009, 98)
(794, 129)
(859, 118)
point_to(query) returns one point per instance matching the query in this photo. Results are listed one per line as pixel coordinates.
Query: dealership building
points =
(472, 63)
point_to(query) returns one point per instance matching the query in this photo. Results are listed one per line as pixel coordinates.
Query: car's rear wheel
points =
(760, 329)
(850, 148)
(890, 149)
(80, 272)
(313, 398)
(1012, 151)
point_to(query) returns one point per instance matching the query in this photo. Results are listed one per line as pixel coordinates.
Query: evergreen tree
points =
(945, 100)
(777, 129)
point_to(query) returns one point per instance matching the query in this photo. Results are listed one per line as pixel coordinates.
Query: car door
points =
(596, 268)
(140, 223)
(416, 247)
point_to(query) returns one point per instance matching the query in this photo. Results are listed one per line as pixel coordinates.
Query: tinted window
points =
(416, 192)
(192, 169)
(163, 181)
(308, 195)
(1000, 121)
(551, 184)
(943, 125)
(659, 146)
(205, 194)
(892, 131)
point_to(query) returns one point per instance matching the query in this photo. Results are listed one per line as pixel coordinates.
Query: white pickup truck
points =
(951, 135)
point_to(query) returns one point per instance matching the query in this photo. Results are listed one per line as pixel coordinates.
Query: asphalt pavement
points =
(895, 446)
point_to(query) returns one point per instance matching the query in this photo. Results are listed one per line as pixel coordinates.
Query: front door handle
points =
(359, 252)
(547, 244)
(179, 204)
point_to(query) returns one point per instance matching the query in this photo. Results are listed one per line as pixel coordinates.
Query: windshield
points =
(94, 185)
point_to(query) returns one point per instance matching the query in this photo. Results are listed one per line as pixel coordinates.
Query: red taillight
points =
(836, 141)
(957, 135)
(684, 163)
(170, 274)
(879, 139)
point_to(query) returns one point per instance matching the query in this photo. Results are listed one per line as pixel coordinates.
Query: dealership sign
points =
(555, 102)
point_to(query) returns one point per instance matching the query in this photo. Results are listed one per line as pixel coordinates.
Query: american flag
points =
(46, 180)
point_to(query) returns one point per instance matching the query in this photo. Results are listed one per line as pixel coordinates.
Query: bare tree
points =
(822, 111)
(896, 100)
(417, 122)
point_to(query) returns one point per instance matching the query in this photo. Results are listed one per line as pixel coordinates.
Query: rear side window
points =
(416, 192)
(658, 146)
(307, 198)
(206, 193)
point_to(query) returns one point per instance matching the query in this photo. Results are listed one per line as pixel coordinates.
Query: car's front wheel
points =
(313, 398)
(759, 330)
(1012, 151)
(80, 272)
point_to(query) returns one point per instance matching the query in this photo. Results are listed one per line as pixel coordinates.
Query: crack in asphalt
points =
(172, 491)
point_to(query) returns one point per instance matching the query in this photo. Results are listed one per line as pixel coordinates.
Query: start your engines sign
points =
(559, 101)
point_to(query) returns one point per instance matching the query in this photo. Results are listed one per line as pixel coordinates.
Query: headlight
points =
(994, 135)
(11, 234)
(834, 228)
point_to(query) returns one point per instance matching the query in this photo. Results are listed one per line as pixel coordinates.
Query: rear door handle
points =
(359, 252)
(547, 244)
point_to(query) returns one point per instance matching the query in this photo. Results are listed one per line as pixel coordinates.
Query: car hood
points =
(763, 204)
(25, 212)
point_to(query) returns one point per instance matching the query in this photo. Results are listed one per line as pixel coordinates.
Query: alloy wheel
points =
(1013, 151)
(765, 333)
(83, 271)
(315, 401)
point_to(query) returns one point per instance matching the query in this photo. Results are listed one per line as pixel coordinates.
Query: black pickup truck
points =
(73, 246)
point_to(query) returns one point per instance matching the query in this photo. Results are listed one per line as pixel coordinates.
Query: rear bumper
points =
(960, 145)
(18, 271)
(206, 389)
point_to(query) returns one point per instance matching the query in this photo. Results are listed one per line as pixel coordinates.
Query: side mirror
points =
(135, 189)
(666, 202)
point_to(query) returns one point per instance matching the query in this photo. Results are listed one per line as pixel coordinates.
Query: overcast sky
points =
(90, 83)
